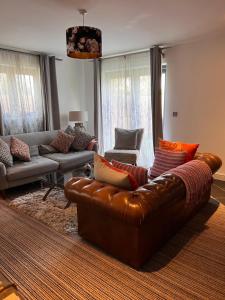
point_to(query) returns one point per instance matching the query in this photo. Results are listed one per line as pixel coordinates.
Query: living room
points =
(111, 149)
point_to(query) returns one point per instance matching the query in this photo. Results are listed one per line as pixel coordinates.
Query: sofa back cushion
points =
(139, 173)
(105, 172)
(34, 138)
(166, 160)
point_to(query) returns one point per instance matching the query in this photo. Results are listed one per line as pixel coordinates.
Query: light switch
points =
(175, 113)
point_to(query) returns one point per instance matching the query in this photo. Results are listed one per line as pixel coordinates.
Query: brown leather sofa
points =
(132, 225)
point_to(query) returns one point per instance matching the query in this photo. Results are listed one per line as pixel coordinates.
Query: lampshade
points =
(78, 116)
(84, 42)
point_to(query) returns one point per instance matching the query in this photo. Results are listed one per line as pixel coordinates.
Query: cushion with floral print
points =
(62, 142)
(5, 155)
(81, 138)
(19, 149)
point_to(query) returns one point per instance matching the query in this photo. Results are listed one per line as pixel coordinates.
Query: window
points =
(126, 100)
(21, 99)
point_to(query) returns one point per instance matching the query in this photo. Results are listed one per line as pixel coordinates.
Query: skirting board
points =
(219, 176)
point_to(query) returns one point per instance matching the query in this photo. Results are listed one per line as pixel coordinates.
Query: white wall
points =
(196, 90)
(75, 88)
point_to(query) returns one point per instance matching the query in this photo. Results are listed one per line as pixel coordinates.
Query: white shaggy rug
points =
(51, 211)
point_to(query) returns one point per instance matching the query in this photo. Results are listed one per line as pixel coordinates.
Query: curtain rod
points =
(25, 51)
(126, 53)
(133, 52)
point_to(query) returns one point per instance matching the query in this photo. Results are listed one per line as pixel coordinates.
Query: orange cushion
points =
(105, 172)
(190, 149)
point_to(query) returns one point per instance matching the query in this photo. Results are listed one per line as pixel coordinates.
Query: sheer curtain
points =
(21, 99)
(126, 100)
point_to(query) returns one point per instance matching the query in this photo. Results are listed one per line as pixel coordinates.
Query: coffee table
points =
(60, 178)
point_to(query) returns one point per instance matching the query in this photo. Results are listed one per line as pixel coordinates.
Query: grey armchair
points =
(127, 146)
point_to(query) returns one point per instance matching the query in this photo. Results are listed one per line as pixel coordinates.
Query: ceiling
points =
(127, 25)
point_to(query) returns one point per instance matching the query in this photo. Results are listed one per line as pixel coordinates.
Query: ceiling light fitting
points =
(84, 42)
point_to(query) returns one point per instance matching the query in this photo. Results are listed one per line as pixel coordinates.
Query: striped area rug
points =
(47, 265)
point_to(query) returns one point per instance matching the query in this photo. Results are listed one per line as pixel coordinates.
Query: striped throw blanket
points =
(197, 177)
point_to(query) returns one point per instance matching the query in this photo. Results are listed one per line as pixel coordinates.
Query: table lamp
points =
(78, 117)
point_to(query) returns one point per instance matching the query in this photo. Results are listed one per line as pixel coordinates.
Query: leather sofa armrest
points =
(212, 160)
(129, 206)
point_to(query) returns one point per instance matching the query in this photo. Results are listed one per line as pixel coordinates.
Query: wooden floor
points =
(47, 265)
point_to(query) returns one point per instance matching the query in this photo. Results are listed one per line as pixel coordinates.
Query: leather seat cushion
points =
(37, 166)
(71, 159)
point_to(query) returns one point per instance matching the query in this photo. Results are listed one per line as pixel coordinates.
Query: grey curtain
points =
(97, 104)
(50, 91)
(156, 100)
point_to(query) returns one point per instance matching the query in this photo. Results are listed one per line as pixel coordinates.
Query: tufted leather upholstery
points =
(131, 225)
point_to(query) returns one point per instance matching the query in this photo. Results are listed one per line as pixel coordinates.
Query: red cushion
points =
(166, 160)
(190, 149)
(105, 172)
(139, 173)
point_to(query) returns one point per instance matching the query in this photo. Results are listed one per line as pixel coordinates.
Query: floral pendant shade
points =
(84, 42)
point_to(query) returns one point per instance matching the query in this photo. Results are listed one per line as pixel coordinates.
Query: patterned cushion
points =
(104, 171)
(190, 149)
(166, 160)
(62, 142)
(19, 149)
(139, 173)
(5, 155)
(81, 138)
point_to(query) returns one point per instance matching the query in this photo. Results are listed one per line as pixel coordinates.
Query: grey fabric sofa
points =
(26, 172)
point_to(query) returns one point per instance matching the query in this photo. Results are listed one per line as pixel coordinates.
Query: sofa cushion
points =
(5, 155)
(125, 139)
(62, 142)
(125, 156)
(37, 166)
(81, 138)
(19, 149)
(190, 149)
(139, 173)
(71, 160)
(46, 149)
(166, 160)
(104, 171)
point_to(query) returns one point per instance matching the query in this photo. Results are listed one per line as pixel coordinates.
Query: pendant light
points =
(84, 42)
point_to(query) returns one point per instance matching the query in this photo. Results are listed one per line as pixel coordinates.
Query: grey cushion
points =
(125, 139)
(5, 155)
(125, 156)
(37, 166)
(71, 160)
(46, 149)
